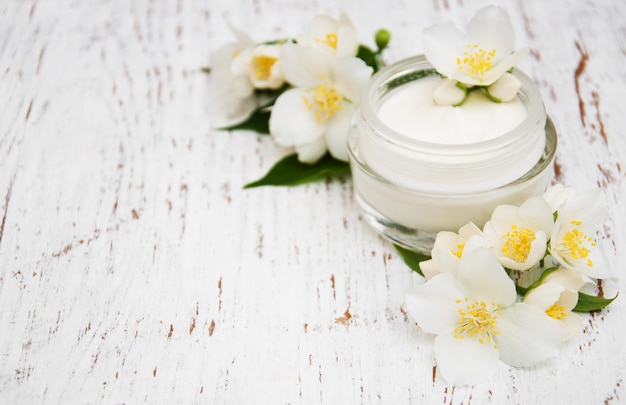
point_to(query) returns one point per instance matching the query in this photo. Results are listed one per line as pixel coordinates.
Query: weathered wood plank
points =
(134, 268)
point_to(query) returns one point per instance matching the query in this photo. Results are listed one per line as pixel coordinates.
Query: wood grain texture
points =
(135, 269)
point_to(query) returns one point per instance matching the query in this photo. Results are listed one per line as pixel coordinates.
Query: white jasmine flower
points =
(448, 249)
(572, 241)
(229, 78)
(478, 322)
(315, 115)
(505, 88)
(338, 35)
(558, 195)
(264, 67)
(478, 57)
(519, 235)
(557, 302)
(448, 92)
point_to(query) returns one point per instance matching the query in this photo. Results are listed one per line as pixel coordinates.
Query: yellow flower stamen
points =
(459, 250)
(263, 66)
(577, 244)
(556, 311)
(324, 101)
(477, 320)
(476, 61)
(330, 40)
(517, 243)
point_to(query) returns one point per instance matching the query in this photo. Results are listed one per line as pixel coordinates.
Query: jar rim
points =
(542, 164)
(529, 95)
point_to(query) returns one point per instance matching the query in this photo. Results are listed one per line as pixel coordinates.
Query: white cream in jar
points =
(419, 168)
(411, 111)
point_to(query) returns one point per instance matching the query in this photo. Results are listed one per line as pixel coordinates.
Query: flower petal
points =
(588, 207)
(491, 28)
(433, 304)
(242, 37)
(443, 44)
(291, 122)
(485, 278)
(468, 230)
(320, 25)
(573, 325)
(569, 279)
(537, 214)
(350, 76)
(501, 67)
(337, 132)
(558, 195)
(234, 91)
(347, 42)
(442, 253)
(600, 268)
(501, 219)
(527, 335)
(429, 268)
(476, 241)
(464, 361)
(305, 67)
(312, 152)
(545, 295)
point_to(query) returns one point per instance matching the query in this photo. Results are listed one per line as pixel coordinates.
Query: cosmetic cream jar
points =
(409, 189)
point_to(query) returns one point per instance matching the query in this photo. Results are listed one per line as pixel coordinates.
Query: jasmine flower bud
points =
(450, 92)
(505, 88)
(382, 39)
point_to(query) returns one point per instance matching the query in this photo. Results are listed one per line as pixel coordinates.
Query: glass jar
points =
(408, 189)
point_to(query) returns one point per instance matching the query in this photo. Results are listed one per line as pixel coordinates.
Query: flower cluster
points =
(508, 292)
(473, 298)
(304, 90)
(480, 58)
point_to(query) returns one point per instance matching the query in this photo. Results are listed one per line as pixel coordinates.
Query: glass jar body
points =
(408, 190)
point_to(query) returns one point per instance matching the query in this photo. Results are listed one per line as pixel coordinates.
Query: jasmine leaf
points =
(521, 290)
(291, 172)
(588, 303)
(258, 121)
(368, 56)
(411, 258)
(206, 69)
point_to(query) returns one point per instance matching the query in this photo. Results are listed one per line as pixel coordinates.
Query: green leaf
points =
(588, 303)
(368, 56)
(411, 258)
(291, 172)
(258, 121)
(206, 69)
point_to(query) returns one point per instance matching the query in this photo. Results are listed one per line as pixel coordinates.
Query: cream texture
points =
(411, 111)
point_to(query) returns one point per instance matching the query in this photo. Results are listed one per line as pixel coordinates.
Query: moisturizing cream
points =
(419, 168)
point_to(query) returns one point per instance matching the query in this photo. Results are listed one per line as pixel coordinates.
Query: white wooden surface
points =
(135, 269)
